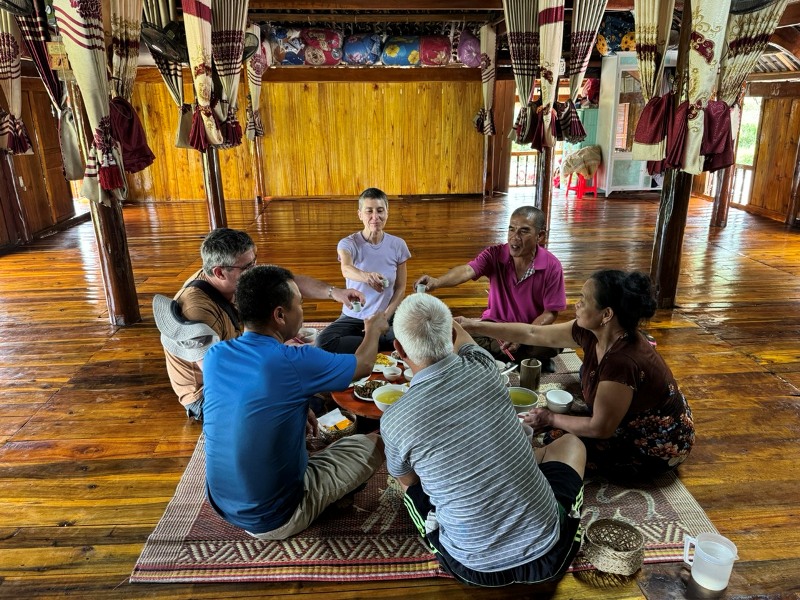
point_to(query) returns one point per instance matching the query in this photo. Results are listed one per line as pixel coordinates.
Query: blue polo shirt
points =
(257, 394)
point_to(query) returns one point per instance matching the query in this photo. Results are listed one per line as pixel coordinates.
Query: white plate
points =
(361, 381)
(366, 398)
(376, 368)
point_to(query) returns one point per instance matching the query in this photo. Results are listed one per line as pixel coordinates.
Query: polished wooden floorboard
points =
(93, 442)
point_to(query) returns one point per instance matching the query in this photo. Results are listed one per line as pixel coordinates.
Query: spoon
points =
(507, 371)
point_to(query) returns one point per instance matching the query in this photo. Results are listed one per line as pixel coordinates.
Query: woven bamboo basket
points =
(328, 437)
(614, 547)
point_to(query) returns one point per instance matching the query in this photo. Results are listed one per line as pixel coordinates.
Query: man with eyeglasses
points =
(526, 284)
(207, 297)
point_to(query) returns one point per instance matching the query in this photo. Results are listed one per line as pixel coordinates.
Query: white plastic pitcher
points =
(713, 559)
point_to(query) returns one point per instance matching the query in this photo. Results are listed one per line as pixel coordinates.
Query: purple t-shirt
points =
(512, 301)
(382, 258)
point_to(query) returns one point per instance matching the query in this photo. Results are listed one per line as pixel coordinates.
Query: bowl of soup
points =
(523, 399)
(387, 395)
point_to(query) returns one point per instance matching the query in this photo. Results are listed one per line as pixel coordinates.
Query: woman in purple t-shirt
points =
(639, 423)
(374, 263)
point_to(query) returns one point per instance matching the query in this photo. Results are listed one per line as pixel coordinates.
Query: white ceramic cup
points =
(713, 560)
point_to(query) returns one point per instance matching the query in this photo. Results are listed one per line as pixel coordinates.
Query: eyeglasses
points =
(243, 268)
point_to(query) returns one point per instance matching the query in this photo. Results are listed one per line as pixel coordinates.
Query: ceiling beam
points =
(372, 17)
(788, 39)
(791, 16)
(372, 5)
(775, 89)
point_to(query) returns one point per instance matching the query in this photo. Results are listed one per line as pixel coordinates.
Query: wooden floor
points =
(93, 442)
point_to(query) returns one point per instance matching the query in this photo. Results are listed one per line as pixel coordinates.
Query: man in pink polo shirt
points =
(526, 283)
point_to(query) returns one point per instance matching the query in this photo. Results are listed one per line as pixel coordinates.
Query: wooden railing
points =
(524, 166)
(742, 184)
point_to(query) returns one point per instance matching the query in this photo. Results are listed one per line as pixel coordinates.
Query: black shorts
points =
(567, 487)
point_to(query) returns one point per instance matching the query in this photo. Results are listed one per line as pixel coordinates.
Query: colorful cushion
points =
(469, 49)
(616, 33)
(322, 46)
(401, 51)
(362, 49)
(287, 46)
(435, 50)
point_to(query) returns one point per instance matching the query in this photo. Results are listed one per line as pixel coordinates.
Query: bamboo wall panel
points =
(776, 156)
(327, 138)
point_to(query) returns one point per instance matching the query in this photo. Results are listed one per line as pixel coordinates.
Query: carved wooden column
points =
(794, 200)
(546, 189)
(215, 199)
(722, 198)
(260, 179)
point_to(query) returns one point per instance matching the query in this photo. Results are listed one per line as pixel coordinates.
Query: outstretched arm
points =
(318, 290)
(552, 336)
(455, 276)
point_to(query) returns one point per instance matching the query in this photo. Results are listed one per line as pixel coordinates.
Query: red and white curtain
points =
(80, 23)
(256, 65)
(746, 39)
(229, 18)
(13, 134)
(523, 43)
(551, 33)
(160, 13)
(484, 120)
(586, 17)
(205, 130)
(653, 19)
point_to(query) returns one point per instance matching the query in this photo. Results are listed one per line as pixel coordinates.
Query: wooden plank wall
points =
(329, 138)
(776, 157)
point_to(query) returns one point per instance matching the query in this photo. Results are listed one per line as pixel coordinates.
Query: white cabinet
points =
(621, 103)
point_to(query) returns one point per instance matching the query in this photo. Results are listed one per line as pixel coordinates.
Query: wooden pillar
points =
(674, 205)
(260, 179)
(14, 211)
(112, 241)
(488, 166)
(722, 199)
(546, 189)
(794, 200)
(215, 199)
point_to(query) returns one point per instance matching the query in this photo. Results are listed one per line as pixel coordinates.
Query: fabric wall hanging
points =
(469, 49)
(551, 33)
(287, 47)
(205, 130)
(484, 120)
(161, 13)
(435, 50)
(401, 51)
(322, 46)
(126, 28)
(586, 17)
(617, 32)
(362, 49)
(13, 134)
(746, 38)
(709, 21)
(229, 18)
(523, 43)
(653, 22)
(256, 65)
(80, 23)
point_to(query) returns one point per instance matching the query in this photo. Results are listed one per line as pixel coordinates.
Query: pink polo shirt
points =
(511, 301)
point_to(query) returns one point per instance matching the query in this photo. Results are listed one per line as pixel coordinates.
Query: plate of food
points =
(364, 391)
(382, 361)
(361, 381)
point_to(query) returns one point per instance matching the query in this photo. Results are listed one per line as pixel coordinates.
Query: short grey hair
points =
(222, 247)
(532, 214)
(373, 194)
(424, 326)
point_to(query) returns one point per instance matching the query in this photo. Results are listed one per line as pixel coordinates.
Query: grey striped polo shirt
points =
(457, 430)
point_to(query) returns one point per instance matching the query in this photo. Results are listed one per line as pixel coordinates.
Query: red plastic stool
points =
(581, 187)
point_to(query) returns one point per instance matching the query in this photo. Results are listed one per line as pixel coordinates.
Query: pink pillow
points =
(435, 50)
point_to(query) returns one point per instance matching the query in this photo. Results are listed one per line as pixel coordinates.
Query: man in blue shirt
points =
(258, 473)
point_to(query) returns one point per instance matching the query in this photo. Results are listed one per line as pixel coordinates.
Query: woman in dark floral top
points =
(639, 423)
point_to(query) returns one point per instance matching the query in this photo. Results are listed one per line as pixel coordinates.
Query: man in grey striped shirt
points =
(493, 510)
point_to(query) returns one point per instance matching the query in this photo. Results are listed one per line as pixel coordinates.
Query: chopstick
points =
(506, 352)
(298, 340)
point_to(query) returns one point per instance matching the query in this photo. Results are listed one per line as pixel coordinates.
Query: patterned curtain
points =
(653, 20)
(484, 120)
(256, 65)
(551, 33)
(227, 40)
(586, 17)
(746, 38)
(160, 13)
(197, 19)
(13, 135)
(80, 23)
(523, 43)
(709, 19)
